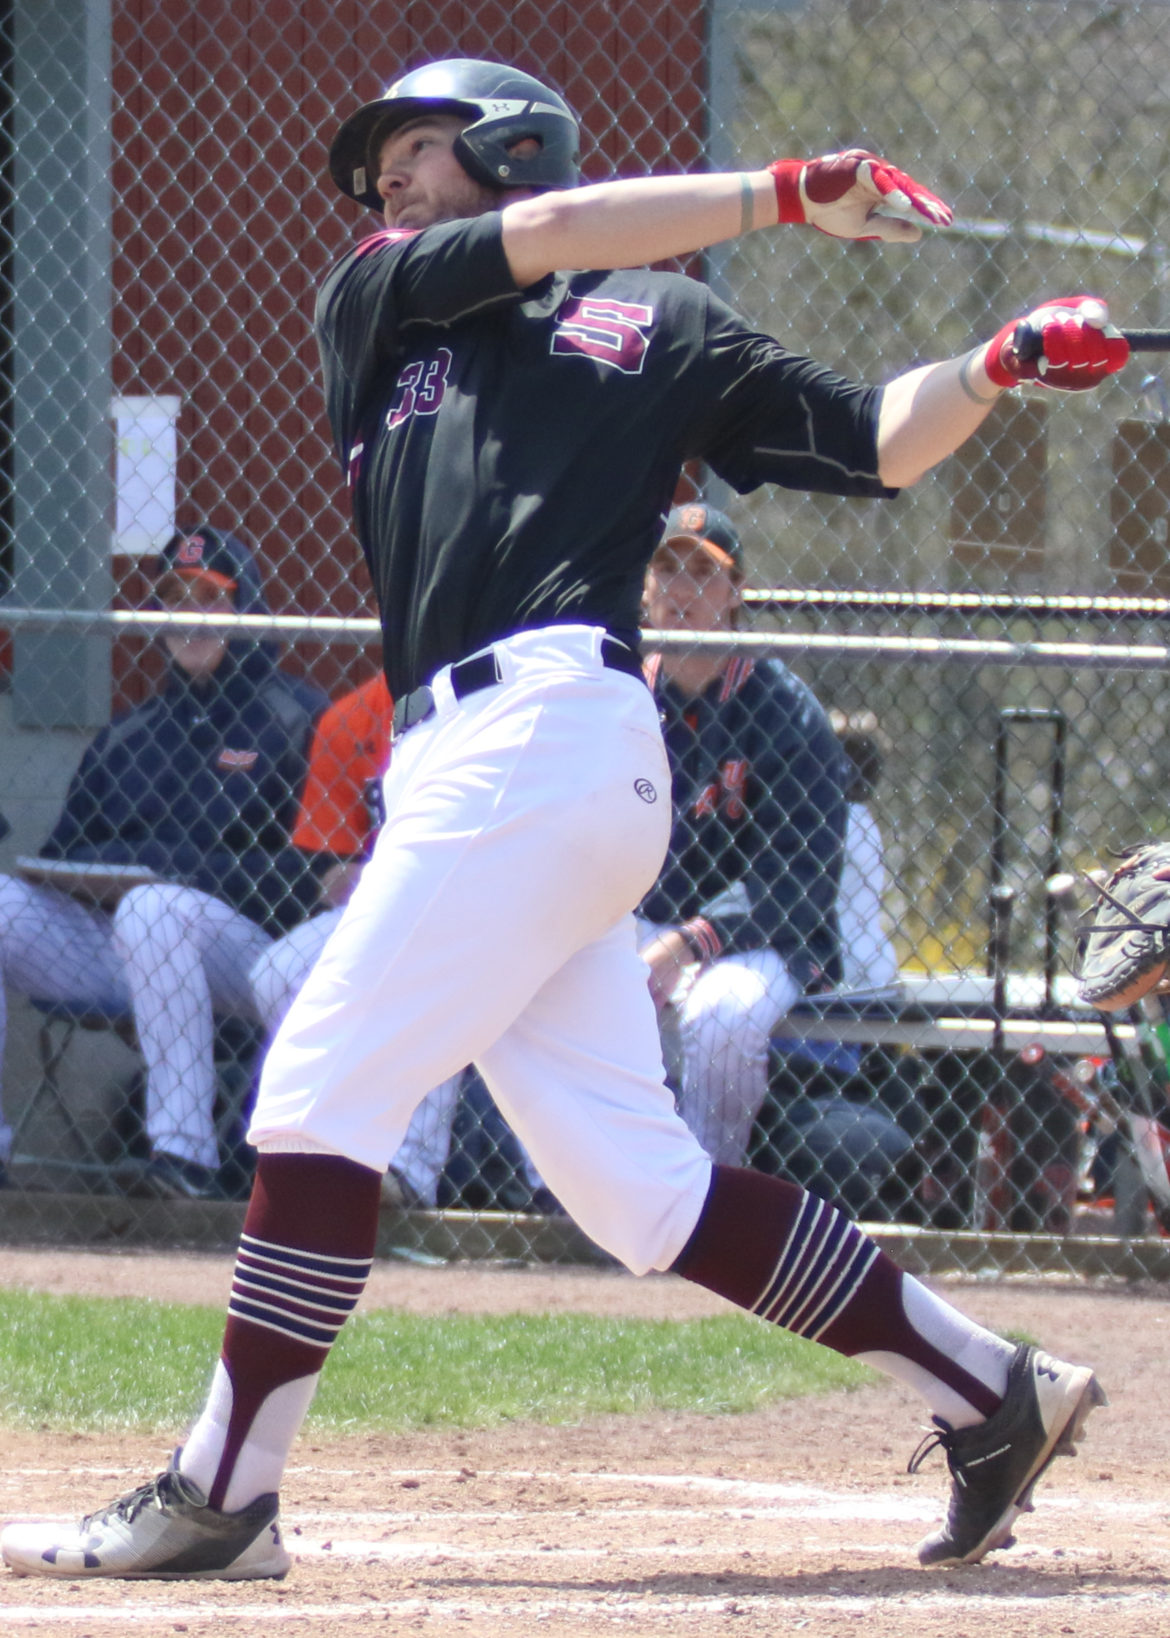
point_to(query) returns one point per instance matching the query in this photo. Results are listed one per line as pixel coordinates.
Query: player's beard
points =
(472, 200)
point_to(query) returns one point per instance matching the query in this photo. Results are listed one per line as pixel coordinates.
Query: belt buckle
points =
(412, 708)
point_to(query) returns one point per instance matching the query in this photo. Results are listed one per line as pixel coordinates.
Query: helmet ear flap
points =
(487, 149)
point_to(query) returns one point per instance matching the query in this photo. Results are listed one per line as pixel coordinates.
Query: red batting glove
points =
(856, 195)
(1067, 343)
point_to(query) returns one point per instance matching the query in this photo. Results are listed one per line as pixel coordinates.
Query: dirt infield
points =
(798, 1519)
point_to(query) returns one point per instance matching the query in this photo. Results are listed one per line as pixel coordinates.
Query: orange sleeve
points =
(351, 747)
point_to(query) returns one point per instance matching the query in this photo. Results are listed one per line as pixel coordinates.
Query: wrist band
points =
(786, 175)
(747, 203)
(704, 941)
(965, 383)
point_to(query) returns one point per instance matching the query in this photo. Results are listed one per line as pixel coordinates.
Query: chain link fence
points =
(991, 647)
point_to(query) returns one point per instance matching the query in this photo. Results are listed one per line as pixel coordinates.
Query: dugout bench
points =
(998, 1132)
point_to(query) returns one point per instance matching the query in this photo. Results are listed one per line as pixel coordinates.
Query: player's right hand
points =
(1067, 343)
(856, 195)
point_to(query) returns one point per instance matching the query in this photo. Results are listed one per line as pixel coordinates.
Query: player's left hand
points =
(1067, 343)
(856, 195)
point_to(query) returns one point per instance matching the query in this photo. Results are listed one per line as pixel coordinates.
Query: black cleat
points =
(995, 1465)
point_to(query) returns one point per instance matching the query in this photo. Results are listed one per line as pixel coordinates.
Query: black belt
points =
(482, 670)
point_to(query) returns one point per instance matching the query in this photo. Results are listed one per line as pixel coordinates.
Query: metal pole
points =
(62, 435)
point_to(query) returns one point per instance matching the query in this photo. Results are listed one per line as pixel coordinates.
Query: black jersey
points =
(512, 453)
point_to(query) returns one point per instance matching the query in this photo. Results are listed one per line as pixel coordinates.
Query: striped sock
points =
(300, 1296)
(822, 1262)
(797, 1262)
(303, 1261)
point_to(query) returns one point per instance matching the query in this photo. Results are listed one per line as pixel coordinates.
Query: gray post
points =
(63, 486)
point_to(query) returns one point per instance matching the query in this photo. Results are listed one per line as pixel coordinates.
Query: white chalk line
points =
(368, 1550)
(872, 1509)
(656, 1607)
(869, 1508)
(450, 1553)
(748, 1489)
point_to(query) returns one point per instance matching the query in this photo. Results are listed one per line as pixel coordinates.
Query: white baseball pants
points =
(58, 950)
(493, 924)
(276, 978)
(720, 1022)
(186, 956)
(867, 955)
(172, 955)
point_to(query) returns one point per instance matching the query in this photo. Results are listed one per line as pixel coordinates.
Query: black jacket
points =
(201, 785)
(758, 786)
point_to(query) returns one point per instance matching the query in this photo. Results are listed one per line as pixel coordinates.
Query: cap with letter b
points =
(705, 526)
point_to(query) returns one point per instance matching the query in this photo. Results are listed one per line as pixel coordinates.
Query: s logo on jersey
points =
(421, 388)
(613, 332)
(727, 792)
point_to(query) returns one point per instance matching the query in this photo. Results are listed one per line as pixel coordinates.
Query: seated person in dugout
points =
(340, 813)
(742, 919)
(198, 787)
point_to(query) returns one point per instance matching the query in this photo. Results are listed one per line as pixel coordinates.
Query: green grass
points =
(77, 1364)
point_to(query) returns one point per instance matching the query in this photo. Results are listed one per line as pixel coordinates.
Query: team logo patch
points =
(613, 332)
(727, 791)
(644, 789)
(693, 519)
(190, 552)
(228, 758)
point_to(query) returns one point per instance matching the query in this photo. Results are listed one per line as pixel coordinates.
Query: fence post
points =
(62, 437)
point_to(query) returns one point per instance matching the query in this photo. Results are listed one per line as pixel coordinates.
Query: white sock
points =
(259, 1466)
(977, 1351)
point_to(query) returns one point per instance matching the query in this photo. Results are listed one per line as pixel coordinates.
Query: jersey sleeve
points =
(773, 416)
(399, 278)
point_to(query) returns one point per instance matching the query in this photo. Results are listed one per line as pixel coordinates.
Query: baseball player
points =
(512, 435)
(752, 872)
(196, 785)
(340, 813)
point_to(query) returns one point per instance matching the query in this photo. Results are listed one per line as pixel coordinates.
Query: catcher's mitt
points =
(1124, 942)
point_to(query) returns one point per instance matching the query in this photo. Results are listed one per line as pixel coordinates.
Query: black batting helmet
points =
(503, 106)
